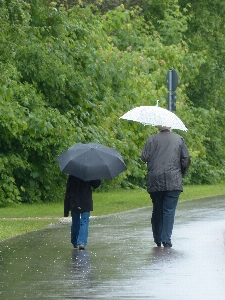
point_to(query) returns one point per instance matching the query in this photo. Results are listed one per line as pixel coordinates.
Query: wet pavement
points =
(121, 261)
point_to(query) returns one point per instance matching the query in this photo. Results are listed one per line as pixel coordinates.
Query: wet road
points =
(121, 260)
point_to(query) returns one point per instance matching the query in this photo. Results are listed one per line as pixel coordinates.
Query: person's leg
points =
(75, 228)
(157, 216)
(169, 207)
(83, 232)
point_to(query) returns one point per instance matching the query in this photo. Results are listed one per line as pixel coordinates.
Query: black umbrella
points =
(91, 161)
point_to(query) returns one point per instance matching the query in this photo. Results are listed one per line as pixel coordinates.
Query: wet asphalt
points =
(121, 261)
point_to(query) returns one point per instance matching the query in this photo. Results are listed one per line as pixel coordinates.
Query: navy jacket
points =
(78, 195)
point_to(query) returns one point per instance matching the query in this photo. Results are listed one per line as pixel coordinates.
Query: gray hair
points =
(161, 128)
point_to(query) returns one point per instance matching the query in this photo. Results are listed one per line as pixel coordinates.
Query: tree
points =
(68, 74)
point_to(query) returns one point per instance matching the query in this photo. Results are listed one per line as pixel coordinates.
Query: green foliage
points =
(206, 33)
(69, 72)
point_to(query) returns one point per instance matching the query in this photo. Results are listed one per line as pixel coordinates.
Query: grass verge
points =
(23, 218)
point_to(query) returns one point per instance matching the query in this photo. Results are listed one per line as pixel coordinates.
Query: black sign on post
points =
(171, 83)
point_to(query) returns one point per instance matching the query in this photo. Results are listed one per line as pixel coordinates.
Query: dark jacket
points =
(167, 160)
(78, 195)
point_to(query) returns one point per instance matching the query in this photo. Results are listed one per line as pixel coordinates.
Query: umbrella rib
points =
(103, 160)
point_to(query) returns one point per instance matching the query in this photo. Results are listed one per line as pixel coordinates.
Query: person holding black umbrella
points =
(86, 164)
(78, 200)
(167, 159)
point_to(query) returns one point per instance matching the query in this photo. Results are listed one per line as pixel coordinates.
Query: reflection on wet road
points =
(121, 260)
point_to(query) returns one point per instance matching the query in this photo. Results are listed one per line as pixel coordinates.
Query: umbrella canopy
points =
(91, 161)
(155, 116)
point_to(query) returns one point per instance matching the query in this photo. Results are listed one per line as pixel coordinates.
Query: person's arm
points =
(66, 199)
(145, 154)
(185, 158)
(95, 183)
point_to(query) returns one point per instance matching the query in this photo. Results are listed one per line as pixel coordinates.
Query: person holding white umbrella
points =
(167, 159)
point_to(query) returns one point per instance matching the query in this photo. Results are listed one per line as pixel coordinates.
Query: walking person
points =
(78, 200)
(167, 159)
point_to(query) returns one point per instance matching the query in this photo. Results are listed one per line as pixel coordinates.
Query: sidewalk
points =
(121, 260)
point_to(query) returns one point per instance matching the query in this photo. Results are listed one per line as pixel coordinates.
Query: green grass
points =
(10, 228)
(122, 200)
(23, 218)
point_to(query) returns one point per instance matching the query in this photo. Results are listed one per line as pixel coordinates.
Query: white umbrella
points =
(155, 116)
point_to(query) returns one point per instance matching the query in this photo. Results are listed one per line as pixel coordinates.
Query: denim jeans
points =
(79, 228)
(164, 206)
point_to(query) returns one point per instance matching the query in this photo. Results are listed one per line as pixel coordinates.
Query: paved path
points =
(121, 260)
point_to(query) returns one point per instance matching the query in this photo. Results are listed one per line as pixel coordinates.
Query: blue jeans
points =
(164, 206)
(79, 228)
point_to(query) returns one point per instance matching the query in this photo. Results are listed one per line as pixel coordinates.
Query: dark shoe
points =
(158, 244)
(81, 247)
(167, 244)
